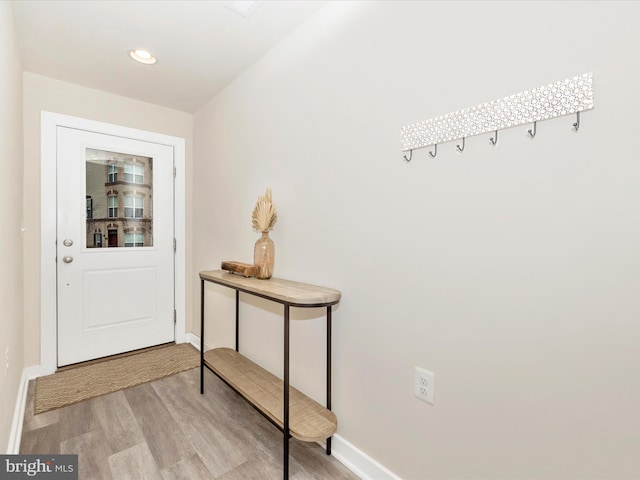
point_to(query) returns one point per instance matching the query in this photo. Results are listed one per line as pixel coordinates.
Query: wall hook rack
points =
(532, 134)
(565, 97)
(410, 156)
(494, 140)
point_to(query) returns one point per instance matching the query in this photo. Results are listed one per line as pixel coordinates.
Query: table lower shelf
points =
(308, 420)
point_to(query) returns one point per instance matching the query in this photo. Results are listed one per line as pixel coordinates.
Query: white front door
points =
(115, 244)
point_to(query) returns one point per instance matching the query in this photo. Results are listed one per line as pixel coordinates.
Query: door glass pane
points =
(119, 200)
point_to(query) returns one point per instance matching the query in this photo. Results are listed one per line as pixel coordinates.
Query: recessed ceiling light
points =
(243, 7)
(143, 56)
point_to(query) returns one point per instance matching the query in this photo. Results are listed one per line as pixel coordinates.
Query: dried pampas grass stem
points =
(264, 215)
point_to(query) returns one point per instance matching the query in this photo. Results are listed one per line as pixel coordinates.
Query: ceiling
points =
(201, 45)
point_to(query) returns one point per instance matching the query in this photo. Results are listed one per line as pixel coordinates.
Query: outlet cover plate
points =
(424, 385)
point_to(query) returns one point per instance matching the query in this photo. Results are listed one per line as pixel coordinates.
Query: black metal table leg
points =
(286, 395)
(237, 320)
(201, 336)
(329, 370)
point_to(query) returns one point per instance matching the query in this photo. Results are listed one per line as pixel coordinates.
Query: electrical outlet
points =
(423, 385)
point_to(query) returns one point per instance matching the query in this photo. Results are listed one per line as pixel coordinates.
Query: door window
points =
(119, 193)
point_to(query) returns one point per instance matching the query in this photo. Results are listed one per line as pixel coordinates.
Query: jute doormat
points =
(82, 383)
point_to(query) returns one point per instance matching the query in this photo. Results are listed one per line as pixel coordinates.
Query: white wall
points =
(43, 93)
(11, 294)
(511, 272)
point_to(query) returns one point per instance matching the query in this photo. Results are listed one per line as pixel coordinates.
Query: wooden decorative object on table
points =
(240, 268)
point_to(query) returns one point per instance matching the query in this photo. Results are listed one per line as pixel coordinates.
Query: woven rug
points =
(89, 381)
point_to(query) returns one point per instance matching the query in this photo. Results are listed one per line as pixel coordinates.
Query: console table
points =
(288, 409)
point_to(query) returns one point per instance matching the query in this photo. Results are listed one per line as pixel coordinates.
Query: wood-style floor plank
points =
(166, 430)
(76, 420)
(33, 422)
(191, 468)
(117, 421)
(41, 440)
(313, 461)
(155, 420)
(220, 448)
(253, 470)
(92, 452)
(134, 463)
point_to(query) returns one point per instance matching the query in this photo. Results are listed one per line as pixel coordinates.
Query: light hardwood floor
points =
(166, 430)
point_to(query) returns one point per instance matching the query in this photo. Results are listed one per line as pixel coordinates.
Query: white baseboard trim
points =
(182, 337)
(195, 341)
(359, 462)
(15, 436)
(346, 453)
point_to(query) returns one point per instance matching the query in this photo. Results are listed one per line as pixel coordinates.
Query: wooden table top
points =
(277, 289)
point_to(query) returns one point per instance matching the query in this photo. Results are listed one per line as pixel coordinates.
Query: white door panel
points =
(115, 261)
(133, 305)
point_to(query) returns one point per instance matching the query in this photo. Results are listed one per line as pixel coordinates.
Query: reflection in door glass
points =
(119, 199)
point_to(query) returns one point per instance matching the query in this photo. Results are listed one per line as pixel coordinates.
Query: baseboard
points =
(15, 436)
(182, 337)
(358, 462)
(195, 341)
(346, 453)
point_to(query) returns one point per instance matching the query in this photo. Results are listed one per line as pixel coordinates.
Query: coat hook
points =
(435, 151)
(410, 156)
(461, 149)
(576, 125)
(532, 134)
(494, 141)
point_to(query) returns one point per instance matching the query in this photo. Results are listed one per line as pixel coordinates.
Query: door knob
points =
(67, 242)
(67, 259)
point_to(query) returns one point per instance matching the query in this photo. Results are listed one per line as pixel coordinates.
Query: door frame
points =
(50, 122)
